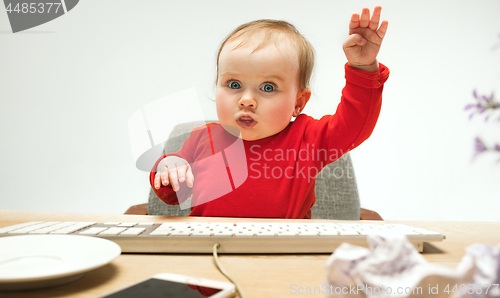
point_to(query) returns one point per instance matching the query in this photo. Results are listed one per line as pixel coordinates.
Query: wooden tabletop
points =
(259, 275)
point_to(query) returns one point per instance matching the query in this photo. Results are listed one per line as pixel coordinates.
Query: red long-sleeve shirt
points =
(274, 177)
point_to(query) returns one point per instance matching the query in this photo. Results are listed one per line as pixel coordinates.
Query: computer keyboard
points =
(234, 237)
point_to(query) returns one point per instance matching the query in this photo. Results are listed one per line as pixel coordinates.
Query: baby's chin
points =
(254, 135)
(233, 130)
(241, 133)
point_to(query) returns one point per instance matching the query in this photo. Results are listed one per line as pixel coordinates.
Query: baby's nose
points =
(247, 101)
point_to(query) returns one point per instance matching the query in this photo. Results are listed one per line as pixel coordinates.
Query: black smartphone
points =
(167, 285)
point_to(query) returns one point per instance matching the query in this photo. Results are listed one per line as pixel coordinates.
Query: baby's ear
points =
(301, 101)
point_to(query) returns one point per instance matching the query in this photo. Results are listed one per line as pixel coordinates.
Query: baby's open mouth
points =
(246, 122)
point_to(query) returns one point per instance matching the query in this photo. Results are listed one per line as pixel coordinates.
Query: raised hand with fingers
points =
(173, 170)
(365, 38)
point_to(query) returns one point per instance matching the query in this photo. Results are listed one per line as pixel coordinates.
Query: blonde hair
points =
(284, 35)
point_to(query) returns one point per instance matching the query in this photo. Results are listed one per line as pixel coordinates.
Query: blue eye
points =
(268, 88)
(234, 85)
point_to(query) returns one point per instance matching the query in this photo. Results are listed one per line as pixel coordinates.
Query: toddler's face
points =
(257, 92)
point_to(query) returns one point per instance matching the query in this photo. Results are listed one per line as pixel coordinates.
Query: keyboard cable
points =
(221, 269)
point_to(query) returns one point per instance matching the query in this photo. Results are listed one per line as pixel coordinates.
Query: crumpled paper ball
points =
(392, 267)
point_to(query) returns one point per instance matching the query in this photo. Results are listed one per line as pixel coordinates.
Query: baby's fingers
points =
(354, 40)
(174, 178)
(161, 178)
(189, 177)
(354, 23)
(177, 168)
(365, 18)
(164, 176)
(383, 29)
(157, 181)
(375, 18)
(181, 172)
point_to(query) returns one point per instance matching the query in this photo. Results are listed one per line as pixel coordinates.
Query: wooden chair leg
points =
(369, 215)
(141, 209)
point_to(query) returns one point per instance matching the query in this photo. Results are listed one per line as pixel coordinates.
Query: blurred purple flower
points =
(479, 147)
(483, 103)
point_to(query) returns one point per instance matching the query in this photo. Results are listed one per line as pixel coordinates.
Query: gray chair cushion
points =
(336, 189)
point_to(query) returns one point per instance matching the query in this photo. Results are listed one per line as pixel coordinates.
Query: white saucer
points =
(40, 261)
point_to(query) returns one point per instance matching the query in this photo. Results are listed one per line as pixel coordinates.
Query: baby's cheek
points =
(280, 117)
(222, 111)
(223, 117)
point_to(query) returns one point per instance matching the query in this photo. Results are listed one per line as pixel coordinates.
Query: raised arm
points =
(358, 111)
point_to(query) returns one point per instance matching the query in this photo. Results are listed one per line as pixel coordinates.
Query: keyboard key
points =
(183, 233)
(43, 225)
(201, 233)
(41, 231)
(160, 232)
(14, 227)
(111, 223)
(287, 234)
(61, 225)
(92, 231)
(30, 228)
(19, 231)
(112, 231)
(171, 226)
(62, 232)
(133, 231)
(223, 225)
(348, 233)
(47, 230)
(69, 229)
(127, 224)
(265, 233)
(85, 224)
(329, 233)
(223, 233)
(244, 234)
(146, 223)
(307, 233)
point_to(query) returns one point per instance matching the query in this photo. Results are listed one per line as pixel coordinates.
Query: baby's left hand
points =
(365, 37)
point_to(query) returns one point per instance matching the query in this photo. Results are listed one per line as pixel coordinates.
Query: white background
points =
(68, 87)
